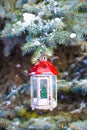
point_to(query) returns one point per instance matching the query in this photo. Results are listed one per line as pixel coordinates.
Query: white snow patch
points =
(16, 123)
(72, 35)
(5, 103)
(8, 102)
(36, 42)
(58, 20)
(28, 18)
(82, 105)
(41, 13)
(14, 90)
(18, 65)
(55, 3)
(13, 97)
(18, 107)
(26, 71)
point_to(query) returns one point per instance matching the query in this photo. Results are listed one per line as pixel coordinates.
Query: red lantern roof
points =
(43, 67)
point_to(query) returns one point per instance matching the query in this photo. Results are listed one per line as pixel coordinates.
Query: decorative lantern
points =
(43, 85)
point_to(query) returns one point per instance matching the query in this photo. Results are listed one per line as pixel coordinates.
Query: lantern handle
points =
(43, 57)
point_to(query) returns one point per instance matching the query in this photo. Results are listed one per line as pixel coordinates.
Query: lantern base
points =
(44, 107)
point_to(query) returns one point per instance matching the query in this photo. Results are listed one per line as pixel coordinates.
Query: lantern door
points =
(33, 90)
(43, 91)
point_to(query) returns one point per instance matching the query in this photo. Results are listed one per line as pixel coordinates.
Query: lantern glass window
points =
(54, 87)
(43, 88)
(34, 81)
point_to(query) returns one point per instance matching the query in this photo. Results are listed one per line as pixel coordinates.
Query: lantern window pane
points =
(43, 88)
(54, 87)
(34, 82)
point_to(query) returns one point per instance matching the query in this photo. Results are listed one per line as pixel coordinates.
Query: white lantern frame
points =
(38, 101)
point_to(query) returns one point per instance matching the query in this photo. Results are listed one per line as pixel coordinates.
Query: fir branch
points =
(30, 46)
